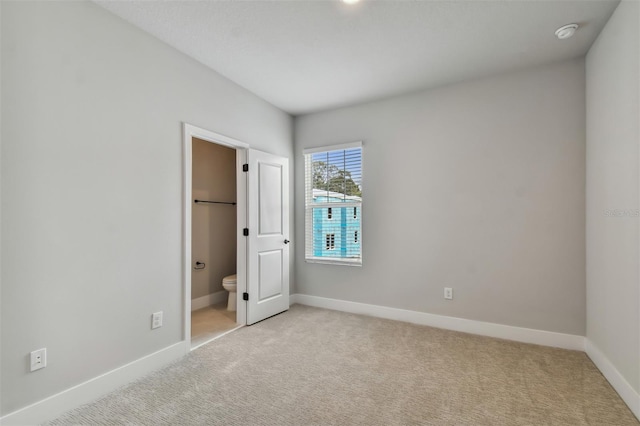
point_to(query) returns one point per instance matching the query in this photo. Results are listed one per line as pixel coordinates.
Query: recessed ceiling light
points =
(566, 31)
(350, 1)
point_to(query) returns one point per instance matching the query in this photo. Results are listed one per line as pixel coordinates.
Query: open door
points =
(268, 244)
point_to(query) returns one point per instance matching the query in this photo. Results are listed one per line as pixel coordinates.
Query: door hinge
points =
(245, 167)
(245, 232)
(245, 296)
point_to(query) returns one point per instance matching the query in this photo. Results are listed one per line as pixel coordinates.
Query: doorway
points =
(262, 234)
(214, 216)
(213, 241)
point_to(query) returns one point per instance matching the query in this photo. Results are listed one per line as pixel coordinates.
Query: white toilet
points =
(230, 284)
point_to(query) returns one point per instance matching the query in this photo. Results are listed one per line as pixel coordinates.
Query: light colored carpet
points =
(313, 366)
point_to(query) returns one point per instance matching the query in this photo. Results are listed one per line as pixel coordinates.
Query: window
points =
(333, 204)
(331, 241)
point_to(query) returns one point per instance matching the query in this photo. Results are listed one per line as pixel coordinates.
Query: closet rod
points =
(214, 202)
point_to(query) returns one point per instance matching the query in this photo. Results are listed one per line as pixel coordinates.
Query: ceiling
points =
(305, 56)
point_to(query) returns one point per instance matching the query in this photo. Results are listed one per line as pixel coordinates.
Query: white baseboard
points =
(56, 405)
(209, 299)
(617, 381)
(518, 334)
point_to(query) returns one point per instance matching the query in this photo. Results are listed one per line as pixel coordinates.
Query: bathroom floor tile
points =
(210, 322)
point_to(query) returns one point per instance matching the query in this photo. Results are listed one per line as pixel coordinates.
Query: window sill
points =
(340, 262)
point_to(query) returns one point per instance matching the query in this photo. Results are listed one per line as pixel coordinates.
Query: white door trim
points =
(189, 132)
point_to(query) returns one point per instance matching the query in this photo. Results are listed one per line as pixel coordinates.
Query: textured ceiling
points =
(305, 56)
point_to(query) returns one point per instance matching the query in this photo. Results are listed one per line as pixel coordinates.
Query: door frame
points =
(189, 132)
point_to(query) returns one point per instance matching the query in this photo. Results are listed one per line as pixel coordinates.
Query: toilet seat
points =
(230, 282)
(230, 279)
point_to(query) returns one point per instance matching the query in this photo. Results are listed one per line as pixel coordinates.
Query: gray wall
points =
(613, 135)
(478, 186)
(92, 188)
(214, 232)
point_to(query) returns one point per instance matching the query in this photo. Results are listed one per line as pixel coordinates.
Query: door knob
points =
(286, 241)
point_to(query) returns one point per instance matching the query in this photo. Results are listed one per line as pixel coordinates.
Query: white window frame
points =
(309, 206)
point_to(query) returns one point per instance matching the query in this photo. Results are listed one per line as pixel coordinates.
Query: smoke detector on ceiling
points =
(566, 31)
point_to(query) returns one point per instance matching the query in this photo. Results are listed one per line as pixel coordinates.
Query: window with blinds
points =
(333, 204)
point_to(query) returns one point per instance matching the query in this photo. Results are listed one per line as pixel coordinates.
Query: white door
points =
(268, 244)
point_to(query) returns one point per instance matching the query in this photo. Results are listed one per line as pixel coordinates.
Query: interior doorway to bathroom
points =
(262, 237)
(215, 255)
(213, 241)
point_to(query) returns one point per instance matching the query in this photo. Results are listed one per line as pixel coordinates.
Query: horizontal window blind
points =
(333, 203)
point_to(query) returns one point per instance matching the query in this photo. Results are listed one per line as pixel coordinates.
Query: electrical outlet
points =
(156, 320)
(448, 293)
(38, 359)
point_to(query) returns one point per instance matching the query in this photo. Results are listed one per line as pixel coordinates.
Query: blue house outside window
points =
(342, 222)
